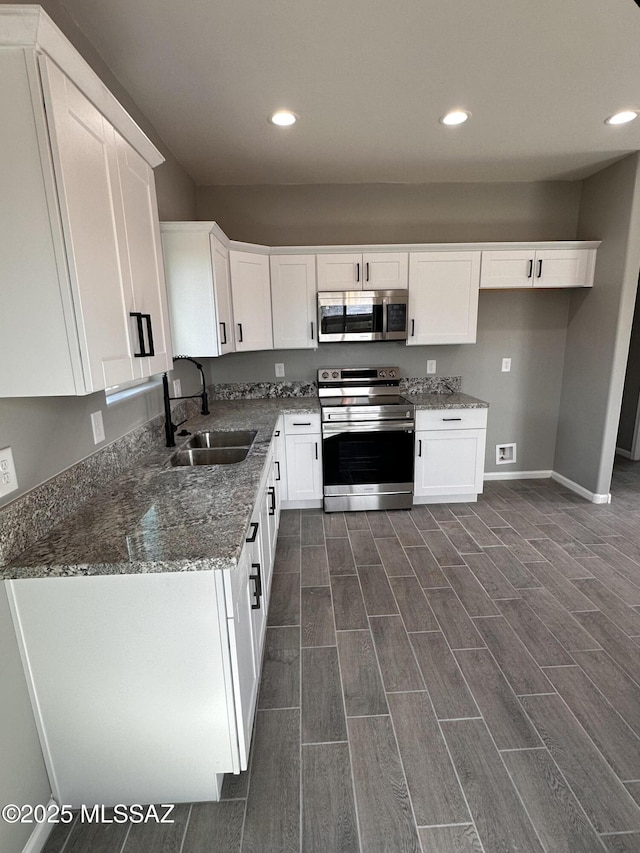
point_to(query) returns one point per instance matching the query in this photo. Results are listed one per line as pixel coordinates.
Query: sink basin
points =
(220, 438)
(208, 456)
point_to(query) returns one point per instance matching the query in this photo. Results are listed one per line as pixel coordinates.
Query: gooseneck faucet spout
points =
(169, 426)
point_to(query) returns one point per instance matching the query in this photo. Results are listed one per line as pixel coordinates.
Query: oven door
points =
(356, 315)
(367, 466)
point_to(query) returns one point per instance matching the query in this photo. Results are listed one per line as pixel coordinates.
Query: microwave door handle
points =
(385, 317)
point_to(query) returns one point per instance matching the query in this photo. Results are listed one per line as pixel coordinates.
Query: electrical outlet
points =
(8, 478)
(279, 370)
(506, 365)
(177, 388)
(431, 366)
(98, 427)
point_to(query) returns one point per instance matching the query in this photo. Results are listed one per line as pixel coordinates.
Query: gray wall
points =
(631, 393)
(599, 328)
(48, 435)
(529, 328)
(388, 213)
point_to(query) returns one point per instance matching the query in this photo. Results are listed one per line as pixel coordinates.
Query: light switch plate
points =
(279, 370)
(98, 427)
(431, 366)
(506, 365)
(8, 478)
(177, 388)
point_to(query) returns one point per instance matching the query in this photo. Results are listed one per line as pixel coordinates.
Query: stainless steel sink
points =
(220, 438)
(191, 456)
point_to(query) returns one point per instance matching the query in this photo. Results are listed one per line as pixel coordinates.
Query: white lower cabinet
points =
(148, 692)
(449, 460)
(303, 442)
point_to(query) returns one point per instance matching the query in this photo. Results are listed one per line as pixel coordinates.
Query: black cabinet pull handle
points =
(530, 273)
(452, 419)
(413, 328)
(257, 579)
(357, 272)
(224, 332)
(367, 270)
(272, 495)
(316, 449)
(147, 319)
(540, 268)
(278, 474)
(312, 330)
(302, 423)
(419, 447)
(255, 526)
(138, 317)
(277, 433)
(240, 329)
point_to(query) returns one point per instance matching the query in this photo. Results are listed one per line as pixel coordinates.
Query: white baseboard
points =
(518, 475)
(625, 453)
(594, 497)
(41, 832)
(559, 478)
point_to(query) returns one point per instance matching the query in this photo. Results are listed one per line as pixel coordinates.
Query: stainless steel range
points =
(367, 439)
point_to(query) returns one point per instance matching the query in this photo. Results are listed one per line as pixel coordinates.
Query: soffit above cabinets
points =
(369, 83)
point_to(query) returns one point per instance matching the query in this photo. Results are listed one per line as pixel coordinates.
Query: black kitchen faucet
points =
(169, 426)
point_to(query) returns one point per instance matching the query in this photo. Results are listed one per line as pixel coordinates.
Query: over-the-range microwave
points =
(362, 315)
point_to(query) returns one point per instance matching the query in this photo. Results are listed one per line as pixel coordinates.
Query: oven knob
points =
(392, 374)
(325, 374)
(335, 374)
(382, 374)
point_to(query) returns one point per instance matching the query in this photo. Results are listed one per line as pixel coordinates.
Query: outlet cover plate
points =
(431, 366)
(8, 478)
(279, 370)
(177, 388)
(98, 427)
(506, 365)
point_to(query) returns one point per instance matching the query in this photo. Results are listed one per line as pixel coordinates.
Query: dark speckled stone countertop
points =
(156, 518)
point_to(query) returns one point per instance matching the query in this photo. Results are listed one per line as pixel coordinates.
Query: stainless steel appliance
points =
(367, 439)
(362, 315)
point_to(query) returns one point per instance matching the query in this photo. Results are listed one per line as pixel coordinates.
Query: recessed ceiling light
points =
(622, 117)
(283, 118)
(454, 117)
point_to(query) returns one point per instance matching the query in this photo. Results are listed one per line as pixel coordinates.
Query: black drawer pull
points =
(257, 579)
(312, 330)
(255, 526)
(452, 419)
(316, 449)
(278, 474)
(272, 495)
(302, 423)
(419, 447)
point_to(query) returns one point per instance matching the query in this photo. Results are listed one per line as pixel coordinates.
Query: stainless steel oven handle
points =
(368, 426)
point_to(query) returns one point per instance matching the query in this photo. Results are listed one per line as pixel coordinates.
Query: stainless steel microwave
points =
(362, 315)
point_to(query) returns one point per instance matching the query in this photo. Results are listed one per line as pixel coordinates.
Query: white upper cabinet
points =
(443, 297)
(79, 240)
(369, 271)
(540, 268)
(251, 294)
(293, 301)
(196, 262)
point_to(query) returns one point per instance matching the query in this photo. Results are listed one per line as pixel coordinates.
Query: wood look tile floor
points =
(451, 679)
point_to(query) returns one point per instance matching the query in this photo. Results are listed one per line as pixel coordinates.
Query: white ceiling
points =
(369, 80)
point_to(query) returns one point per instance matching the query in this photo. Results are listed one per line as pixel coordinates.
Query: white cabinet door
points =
(222, 294)
(564, 268)
(86, 170)
(385, 270)
(245, 668)
(293, 301)
(148, 311)
(251, 295)
(443, 297)
(304, 466)
(342, 271)
(507, 269)
(449, 462)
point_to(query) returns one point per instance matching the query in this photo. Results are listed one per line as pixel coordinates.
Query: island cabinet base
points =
(130, 679)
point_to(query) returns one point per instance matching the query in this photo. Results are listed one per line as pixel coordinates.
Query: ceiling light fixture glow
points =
(623, 117)
(454, 118)
(283, 118)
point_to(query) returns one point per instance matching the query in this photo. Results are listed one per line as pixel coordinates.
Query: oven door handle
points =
(331, 429)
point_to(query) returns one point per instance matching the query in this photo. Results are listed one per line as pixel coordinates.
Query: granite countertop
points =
(456, 400)
(156, 518)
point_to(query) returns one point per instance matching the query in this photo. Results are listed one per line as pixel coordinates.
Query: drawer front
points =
(302, 423)
(451, 419)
